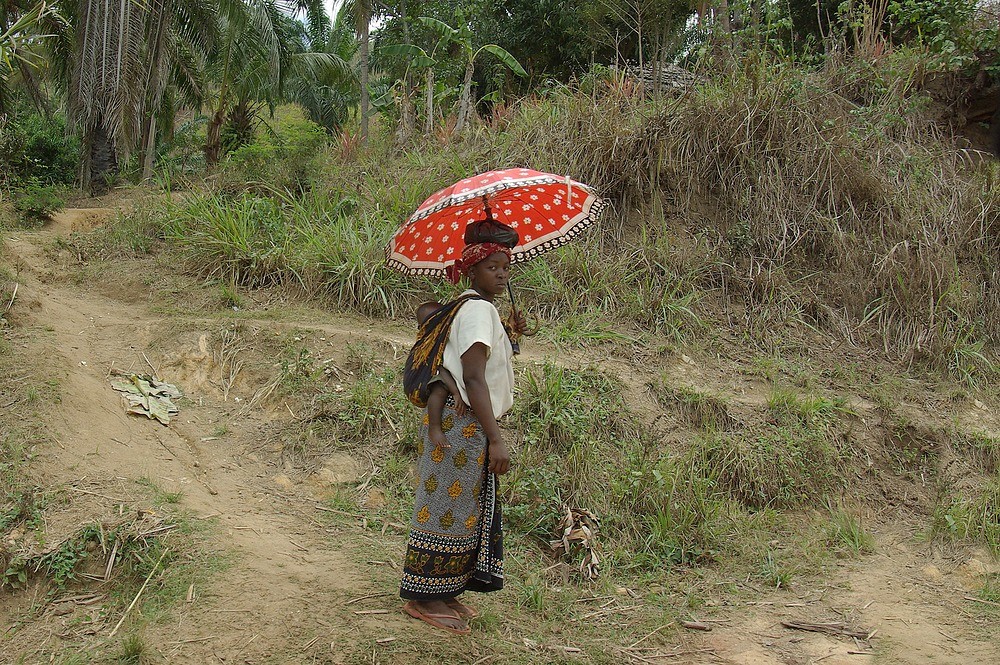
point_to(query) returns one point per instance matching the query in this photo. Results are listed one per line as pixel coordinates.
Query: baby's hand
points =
(460, 407)
(437, 437)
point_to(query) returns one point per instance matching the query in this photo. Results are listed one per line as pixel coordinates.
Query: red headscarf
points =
(473, 254)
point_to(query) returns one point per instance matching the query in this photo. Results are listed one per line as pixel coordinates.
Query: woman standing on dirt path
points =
(456, 538)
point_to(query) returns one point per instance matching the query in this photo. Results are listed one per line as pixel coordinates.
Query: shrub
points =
(975, 516)
(280, 153)
(37, 150)
(36, 203)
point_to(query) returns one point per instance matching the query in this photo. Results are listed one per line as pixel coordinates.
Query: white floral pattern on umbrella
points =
(546, 210)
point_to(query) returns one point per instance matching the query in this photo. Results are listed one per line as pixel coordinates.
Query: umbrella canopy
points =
(546, 210)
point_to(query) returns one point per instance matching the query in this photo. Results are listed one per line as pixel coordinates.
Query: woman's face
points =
(490, 275)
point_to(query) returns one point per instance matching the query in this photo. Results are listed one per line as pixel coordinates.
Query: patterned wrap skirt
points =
(456, 534)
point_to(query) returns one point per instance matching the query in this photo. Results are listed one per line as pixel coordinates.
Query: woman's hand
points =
(499, 457)
(518, 324)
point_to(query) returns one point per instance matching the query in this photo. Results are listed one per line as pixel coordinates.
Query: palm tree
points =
(179, 35)
(22, 28)
(258, 54)
(125, 56)
(328, 96)
(106, 96)
(363, 13)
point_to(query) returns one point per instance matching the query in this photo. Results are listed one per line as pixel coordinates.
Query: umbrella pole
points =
(510, 292)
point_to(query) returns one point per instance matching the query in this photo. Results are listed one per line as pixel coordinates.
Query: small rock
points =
(974, 568)
(932, 573)
(282, 480)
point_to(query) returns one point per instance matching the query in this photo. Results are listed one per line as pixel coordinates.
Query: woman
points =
(456, 541)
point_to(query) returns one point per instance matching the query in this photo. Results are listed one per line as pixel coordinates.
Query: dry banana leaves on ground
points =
(145, 395)
(579, 528)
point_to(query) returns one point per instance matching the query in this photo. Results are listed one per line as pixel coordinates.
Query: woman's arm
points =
(474, 373)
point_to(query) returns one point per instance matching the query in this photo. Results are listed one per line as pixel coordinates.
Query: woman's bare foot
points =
(463, 610)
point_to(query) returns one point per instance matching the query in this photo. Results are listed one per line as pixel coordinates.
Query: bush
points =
(36, 150)
(36, 203)
(281, 151)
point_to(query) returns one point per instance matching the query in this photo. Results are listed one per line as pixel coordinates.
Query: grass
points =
(697, 408)
(971, 515)
(846, 535)
(760, 206)
(789, 465)
(159, 496)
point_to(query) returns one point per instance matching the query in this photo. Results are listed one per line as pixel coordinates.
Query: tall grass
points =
(768, 195)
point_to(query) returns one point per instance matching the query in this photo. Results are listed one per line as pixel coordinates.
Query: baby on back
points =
(441, 387)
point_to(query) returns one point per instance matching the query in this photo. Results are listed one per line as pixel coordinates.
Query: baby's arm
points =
(435, 406)
(449, 382)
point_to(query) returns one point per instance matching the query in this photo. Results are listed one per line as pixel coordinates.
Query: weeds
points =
(975, 517)
(781, 466)
(702, 410)
(791, 409)
(847, 536)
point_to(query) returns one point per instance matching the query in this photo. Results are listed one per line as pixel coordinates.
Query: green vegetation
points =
(847, 535)
(799, 211)
(973, 516)
(698, 409)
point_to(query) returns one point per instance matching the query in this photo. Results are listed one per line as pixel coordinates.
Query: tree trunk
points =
(727, 27)
(365, 102)
(102, 161)
(429, 103)
(213, 139)
(406, 114)
(149, 147)
(154, 91)
(466, 101)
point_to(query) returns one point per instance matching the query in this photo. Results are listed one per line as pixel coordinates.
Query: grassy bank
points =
(764, 200)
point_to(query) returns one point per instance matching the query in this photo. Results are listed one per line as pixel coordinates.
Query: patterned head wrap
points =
(473, 254)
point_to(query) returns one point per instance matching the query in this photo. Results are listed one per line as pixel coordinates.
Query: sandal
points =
(464, 611)
(434, 619)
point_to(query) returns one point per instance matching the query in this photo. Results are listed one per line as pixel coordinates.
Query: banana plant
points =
(463, 37)
(418, 58)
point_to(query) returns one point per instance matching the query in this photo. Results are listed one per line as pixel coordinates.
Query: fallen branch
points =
(827, 628)
(649, 635)
(696, 625)
(982, 600)
(137, 595)
(372, 595)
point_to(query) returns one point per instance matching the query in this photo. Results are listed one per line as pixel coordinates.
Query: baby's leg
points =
(435, 407)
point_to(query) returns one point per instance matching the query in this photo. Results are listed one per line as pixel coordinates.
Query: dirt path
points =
(285, 569)
(275, 601)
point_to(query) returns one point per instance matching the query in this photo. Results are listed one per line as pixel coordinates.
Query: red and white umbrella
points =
(546, 210)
